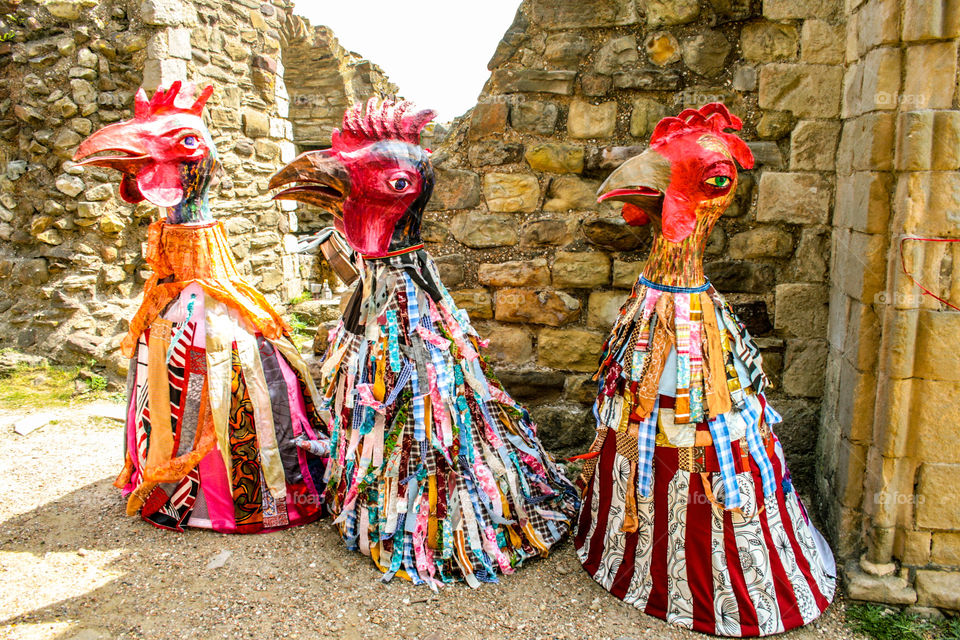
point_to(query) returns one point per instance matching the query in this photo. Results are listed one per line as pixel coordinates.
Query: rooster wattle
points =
(436, 473)
(688, 511)
(217, 392)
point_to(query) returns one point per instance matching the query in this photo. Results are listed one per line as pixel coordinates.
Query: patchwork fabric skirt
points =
(213, 412)
(435, 472)
(689, 513)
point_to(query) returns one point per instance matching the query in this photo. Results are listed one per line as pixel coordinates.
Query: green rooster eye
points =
(718, 181)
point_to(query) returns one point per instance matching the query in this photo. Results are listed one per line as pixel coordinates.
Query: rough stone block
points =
(762, 242)
(935, 399)
(533, 81)
(163, 12)
(256, 123)
(801, 310)
(806, 90)
(822, 42)
(890, 589)
(937, 497)
(570, 14)
(452, 268)
(706, 52)
(612, 232)
(476, 302)
(645, 116)
(936, 85)
(511, 192)
(946, 549)
(481, 231)
(595, 84)
(531, 116)
(792, 10)
(581, 269)
(662, 48)
(488, 119)
(591, 121)
(863, 201)
(547, 232)
(765, 41)
(568, 193)
(813, 145)
(553, 308)
(511, 345)
(799, 198)
(937, 335)
(555, 158)
(516, 273)
(865, 143)
(565, 50)
(455, 189)
(653, 79)
(603, 308)
(494, 152)
(616, 54)
(930, 20)
(625, 274)
(938, 589)
(670, 12)
(569, 349)
(929, 202)
(805, 366)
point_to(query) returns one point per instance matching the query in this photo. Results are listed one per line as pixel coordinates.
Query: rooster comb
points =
(711, 118)
(171, 100)
(387, 120)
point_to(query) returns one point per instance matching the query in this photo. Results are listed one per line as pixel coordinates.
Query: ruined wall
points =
(575, 89)
(889, 452)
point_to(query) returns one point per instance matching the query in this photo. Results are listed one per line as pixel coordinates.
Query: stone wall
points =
(575, 89)
(889, 453)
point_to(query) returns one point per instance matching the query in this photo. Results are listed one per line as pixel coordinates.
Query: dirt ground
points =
(72, 566)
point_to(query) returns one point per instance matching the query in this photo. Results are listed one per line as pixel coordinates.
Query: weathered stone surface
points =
(479, 231)
(568, 429)
(256, 123)
(585, 120)
(511, 192)
(452, 269)
(553, 308)
(766, 154)
(739, 277)
(764, 41)
(893, 589)
(569, 349)
(163, 12)
(603, 307)
(566, 14)
(653, 79)
(69, 185)
(625, 274)
(531, 116)
(581, 269)
(494, 152)
(645, 116)
(566, 50)
(706, 53)
(508, 344)
(822, 42)
(670, 12)
(555, 157)
(930, 21)
(568, 193)
(791, 10)
(727, 10)
(937, 494)
(512, 39)
(936, 83)
(488, 119)
(611, 232)
(762, 242)
(662, 48)
(595, 84)
(580, 388)
(616, 54)
(516, 273)
(813, 145)
(546, 232)
(946, 549)
(938, 589)
(774, 125)
(799, 198)
(805, 363)
(801, 309)
(476, 302)
(455, 189)
(806, 90)
(745, 79)
(533, 81)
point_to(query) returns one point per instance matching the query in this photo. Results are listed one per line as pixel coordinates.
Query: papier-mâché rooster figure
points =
(217, 392)
(688, 511)
(435, 472)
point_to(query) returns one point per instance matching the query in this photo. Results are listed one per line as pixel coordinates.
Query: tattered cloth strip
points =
(435, 473)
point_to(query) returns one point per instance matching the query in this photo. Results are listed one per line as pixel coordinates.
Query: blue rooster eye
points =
(399, 184)
(190, 142)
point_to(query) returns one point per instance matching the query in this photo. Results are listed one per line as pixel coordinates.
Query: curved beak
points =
(318, 178)
(641, 181)
(122, 150)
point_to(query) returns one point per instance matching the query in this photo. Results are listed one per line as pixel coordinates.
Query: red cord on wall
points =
(903, 264)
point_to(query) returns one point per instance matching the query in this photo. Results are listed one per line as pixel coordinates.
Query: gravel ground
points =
(72, 566)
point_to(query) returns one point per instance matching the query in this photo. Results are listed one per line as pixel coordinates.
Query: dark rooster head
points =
(165, 153)
(375, 179)
(687, 175)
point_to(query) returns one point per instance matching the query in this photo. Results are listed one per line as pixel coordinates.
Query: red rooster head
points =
(687, 173)
(375, 179)
(165, 153)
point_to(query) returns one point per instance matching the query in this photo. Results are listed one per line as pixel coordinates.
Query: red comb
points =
(386, 121)
(166, 100)
(711, 118)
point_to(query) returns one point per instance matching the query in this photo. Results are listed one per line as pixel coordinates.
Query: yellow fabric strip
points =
(158, 395)
(219, 340)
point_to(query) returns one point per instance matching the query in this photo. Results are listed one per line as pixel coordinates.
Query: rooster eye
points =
(190, 142)
(718, 181)
(399, 184)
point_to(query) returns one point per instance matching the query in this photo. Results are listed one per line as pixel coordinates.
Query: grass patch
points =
(31, 387)
(883, 623)
(303, 296)
(300, 330)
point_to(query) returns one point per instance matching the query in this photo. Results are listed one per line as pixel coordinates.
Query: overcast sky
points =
(435, 51)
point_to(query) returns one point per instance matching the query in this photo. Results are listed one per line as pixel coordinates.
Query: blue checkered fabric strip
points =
(413, 307)
(405, 375)
(728, 471)
(751, 414)
(646, 444)
(419, 409)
